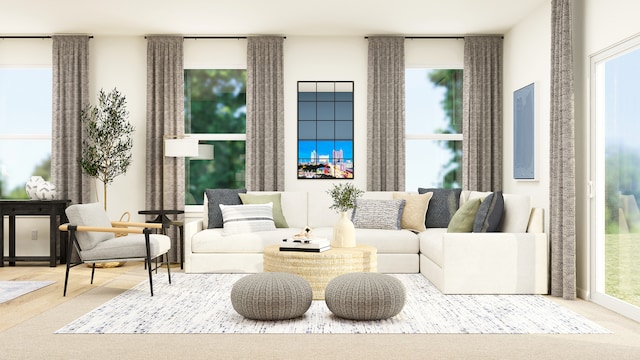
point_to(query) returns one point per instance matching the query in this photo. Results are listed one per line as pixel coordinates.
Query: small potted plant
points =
(344, 199)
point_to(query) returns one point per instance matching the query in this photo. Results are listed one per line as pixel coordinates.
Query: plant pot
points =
(344, 233)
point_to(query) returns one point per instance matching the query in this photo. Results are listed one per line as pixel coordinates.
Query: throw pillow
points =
(442, 206)
(216, 197)
(238, 219)
(415, 210)
(462, 220)
(377, 214)
(489, 214)
(278, 217)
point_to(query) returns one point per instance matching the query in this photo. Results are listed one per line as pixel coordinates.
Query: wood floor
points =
(34, 303)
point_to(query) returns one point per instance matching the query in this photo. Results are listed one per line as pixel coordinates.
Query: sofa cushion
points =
(431, 244)
(517, 212)
(215, 197)
(214, 241)
(442, 206)
(386, 241)
(462, 220)
(377, 214)
(238, 219)
(275, 199)
(415, 210)
(489, 215)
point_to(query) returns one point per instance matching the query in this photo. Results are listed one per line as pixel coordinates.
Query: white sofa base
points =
(490, 263)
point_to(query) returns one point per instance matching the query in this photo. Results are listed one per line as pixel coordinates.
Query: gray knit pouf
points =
(271, 296)
(365, 296)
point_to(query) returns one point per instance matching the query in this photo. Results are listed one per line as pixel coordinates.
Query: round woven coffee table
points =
(319, 268)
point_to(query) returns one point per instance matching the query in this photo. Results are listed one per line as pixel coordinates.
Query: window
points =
(433, 113)
(215, 113)
(25, 128)
(615, 155)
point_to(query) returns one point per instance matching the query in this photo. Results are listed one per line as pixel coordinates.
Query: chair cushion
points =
(130, 247)
(91, 214)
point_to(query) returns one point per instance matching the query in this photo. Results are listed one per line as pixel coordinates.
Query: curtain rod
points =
(431, 37)
(31, 37)
(218, 37)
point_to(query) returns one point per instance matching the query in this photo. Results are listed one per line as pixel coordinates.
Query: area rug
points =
(200, 304)
(10, 290)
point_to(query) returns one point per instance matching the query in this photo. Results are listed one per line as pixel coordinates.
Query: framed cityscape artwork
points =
(524, 133)
(325, 130)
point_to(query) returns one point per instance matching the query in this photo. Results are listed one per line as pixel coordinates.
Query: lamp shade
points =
(181, 147)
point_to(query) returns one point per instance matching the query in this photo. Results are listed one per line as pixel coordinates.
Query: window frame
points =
(421, 136)
(210, 137)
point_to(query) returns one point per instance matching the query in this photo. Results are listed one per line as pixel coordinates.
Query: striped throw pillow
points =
(238, 219)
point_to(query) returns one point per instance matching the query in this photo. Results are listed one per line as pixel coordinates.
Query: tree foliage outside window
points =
(215, 112)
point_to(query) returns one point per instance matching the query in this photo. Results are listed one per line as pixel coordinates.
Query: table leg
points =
(2, 241)
(12, 239)
(53, 234)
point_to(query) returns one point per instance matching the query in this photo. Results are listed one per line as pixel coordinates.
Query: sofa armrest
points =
(190, 229)
(495, 262)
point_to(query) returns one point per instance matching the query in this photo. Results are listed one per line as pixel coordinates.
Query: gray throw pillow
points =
(444, 203)
(378, 214)
(224, 197)
(489, 215)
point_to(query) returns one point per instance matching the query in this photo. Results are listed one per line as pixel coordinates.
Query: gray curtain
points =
(562, 234)
(70, 96)
(385, 114)
(165, 116)
(482, 114)
(265, 114)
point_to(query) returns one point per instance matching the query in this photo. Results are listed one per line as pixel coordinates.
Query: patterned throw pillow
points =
(215, 197)
(462, 220)
(442, 206)
(278, 217)
(238, 219)
(489, 214)
(415, 210)
(378, 214)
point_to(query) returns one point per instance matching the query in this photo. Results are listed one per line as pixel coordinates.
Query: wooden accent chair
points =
(93, 236)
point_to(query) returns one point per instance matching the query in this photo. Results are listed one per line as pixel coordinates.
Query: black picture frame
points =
(325, 130)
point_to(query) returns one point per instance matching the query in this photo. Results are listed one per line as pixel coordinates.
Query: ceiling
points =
(252, 17)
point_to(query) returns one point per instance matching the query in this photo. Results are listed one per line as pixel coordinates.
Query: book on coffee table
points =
(312, 245)
(302, 249)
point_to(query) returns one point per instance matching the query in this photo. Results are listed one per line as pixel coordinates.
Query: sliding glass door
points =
(615, 160)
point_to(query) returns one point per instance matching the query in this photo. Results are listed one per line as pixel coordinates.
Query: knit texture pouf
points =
(365, 296)
(271, 296)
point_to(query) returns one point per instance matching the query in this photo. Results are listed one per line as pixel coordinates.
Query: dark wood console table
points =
(54, 209)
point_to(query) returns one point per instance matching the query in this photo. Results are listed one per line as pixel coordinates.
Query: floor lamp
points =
(175, 146)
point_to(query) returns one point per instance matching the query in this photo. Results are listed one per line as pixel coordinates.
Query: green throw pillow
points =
(278, 217)
(462, 220)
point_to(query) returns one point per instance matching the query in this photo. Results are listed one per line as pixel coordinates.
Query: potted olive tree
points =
(107, 140)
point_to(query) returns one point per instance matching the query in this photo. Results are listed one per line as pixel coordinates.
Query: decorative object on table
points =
(308, 245)
(305, 234)
(39, 189)
(344, 199)
(107, 141)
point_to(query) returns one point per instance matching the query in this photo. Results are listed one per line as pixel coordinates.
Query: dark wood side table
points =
(54, 209)
(162, 218)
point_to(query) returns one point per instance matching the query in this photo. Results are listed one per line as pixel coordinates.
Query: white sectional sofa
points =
(513, 261)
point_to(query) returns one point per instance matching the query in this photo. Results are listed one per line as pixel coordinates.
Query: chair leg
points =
(69, 248)
(168, 268)
(93, 270)
(148, 260)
